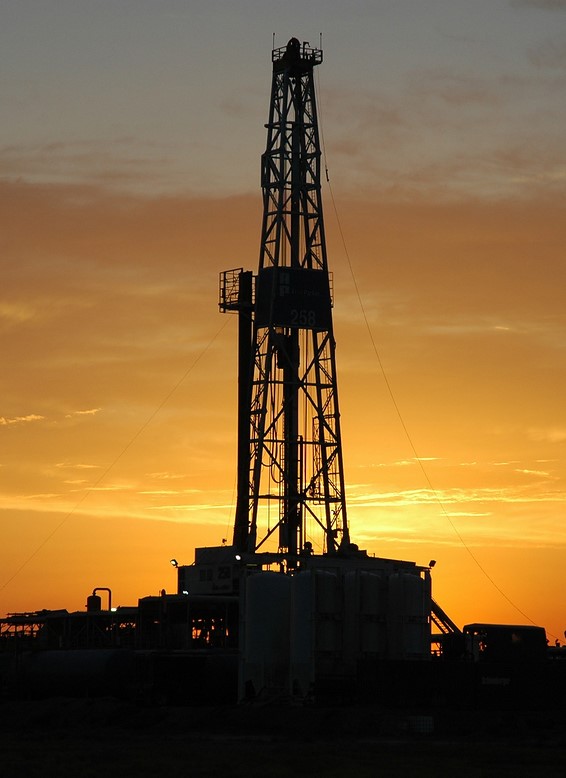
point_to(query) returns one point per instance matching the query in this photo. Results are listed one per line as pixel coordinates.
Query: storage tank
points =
(302, 634)
(316, 628)
(408, 606)
(328, 609)
(351, 619)
(365, 616)
(373, 614)
(94, 603)
(316, 613)
(266, 633)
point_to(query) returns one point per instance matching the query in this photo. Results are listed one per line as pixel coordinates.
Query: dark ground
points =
(104, 737)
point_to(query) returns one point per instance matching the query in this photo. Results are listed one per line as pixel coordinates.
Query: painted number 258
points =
(302, 318)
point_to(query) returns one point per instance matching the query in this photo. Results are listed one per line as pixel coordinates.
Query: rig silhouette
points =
(292, 608)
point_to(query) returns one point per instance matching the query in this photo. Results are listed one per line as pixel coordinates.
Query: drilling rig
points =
(290, 469)
(312, 605)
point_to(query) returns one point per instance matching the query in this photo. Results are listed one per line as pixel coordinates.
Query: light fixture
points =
(432, 563)
(174, 562)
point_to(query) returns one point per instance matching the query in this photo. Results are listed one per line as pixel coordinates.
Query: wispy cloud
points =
(41, 496)
(404, 462)
(16, 313)
(525, 471)
(414, 497)
(424, 132)
(77, 465)
(89, 412)
(467, 514)
(549, 434)
(170, 491)
(165, 476)
(4, 422)
(124, 163)
(192, 507)
(111, 488)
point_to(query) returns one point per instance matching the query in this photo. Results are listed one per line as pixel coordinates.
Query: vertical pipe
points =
(241, 524)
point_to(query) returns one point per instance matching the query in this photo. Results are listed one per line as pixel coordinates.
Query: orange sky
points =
(129, 178)
(119, 391)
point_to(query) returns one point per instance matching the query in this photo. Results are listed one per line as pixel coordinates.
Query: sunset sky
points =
(130, 148)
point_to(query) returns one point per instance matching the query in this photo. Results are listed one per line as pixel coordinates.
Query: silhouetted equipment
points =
(441, 620)
(293, 608)
(290, 456)
(94, 603)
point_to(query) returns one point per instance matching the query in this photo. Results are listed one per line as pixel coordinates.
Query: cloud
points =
(4, 422)
(549, 435)
(526, 471)
(162, 491)
(440, 497)
(405, 462)
(111, 488)
(77, 466)
(451, 133)
(121, 164)
(192, 508)
(467, 514)
(41, 496)
(15, 313)
(117, 291)
(166, 476)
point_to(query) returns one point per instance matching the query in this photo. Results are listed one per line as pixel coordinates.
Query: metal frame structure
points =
(291, 479)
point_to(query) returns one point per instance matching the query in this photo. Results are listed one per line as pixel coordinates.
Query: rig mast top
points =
(290, 472)
(295, 57)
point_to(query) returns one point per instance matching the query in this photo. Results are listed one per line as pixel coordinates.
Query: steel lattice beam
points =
(295, 483)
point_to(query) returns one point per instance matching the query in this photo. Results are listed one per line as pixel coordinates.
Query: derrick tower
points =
(290, 472)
